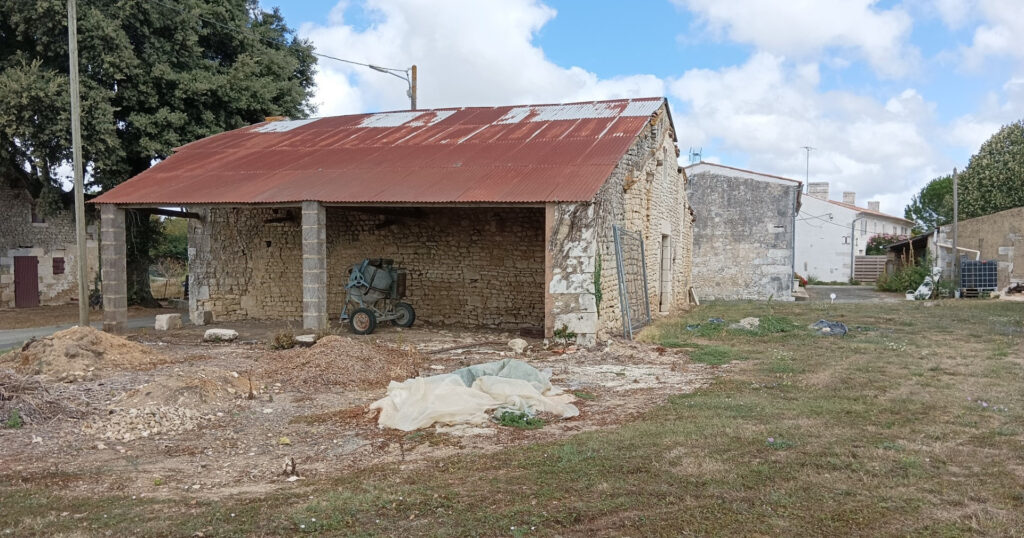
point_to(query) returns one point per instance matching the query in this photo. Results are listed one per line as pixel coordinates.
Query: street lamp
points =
(408, 75)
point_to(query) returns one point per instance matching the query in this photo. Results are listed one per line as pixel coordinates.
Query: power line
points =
(276, 42)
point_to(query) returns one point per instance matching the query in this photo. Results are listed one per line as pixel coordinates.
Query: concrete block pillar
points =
(549, 299)
(314, 266)
(114, 269)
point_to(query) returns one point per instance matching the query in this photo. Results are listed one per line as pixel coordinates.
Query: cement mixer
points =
(374, 294)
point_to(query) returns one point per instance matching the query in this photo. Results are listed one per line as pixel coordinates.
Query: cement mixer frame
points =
(374, 293)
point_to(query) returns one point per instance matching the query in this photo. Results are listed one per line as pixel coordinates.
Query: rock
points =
(747, 324)
(305, 340)
(167, 322)
(518, 345)
(219, 335)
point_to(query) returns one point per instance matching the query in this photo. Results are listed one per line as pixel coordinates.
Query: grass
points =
(872, 434)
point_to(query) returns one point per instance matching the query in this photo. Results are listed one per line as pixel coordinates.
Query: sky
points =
(889, 93)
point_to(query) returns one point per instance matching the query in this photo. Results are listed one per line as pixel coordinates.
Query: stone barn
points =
(503, 217)
(743, 239)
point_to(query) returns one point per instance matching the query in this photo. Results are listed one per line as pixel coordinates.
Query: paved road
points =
(12, 338)
(852, 294)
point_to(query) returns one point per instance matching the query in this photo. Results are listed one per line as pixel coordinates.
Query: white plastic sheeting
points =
(445, 399)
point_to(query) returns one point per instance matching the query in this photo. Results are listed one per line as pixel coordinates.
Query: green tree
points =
(173, 240)
(155, 75)
(933, 206)
(994, 178)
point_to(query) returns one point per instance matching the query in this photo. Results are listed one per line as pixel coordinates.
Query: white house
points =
(830, 233)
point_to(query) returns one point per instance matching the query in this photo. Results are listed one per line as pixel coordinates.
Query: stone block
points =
(167, 322)
(220, 335)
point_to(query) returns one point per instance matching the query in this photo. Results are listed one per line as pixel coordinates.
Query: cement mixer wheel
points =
(405, 316)
(362, 321)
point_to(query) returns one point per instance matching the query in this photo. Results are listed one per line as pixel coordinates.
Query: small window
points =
(58, 266)
(37, 218)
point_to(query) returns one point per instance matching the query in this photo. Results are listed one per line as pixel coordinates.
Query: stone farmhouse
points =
(830, 234)
(502, 216)
(38, 253)
(744, 232)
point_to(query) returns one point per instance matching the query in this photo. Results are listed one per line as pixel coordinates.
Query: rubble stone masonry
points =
(54, 238)
(466, 266)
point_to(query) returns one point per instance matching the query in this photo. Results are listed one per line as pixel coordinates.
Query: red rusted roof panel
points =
(511, 154)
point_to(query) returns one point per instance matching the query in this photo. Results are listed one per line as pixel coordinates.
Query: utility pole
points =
(76, 155)
(956, 219)
(408, 75)
(807, 169)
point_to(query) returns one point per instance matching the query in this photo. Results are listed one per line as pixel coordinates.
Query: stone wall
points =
(466, 266)
(743, 237)
(54, 238)
(644, 193)
(999, 236)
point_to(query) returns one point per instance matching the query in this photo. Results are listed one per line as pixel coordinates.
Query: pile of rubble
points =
(337, 361)
(134, 423)
(81, 354)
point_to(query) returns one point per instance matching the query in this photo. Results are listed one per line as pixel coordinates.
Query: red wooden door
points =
(26, 281)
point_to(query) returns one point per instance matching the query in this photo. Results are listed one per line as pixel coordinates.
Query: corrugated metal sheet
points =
(513, 154)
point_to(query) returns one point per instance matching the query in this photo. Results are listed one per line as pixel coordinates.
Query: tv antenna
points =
(695, 155)
(807, 169)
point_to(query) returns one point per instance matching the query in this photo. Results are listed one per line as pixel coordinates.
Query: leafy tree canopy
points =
(933, 206)
(994, 178)
(154, 76)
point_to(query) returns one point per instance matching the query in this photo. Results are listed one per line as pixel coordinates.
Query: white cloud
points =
(806, 28)
(767, 109)
(467, 53)
(971, 130)
(998, 27)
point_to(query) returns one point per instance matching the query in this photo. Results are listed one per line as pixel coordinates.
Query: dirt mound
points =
(339, 362)
(195, 387)
(82, 353)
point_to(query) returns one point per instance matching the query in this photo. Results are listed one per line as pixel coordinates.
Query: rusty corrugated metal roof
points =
(510, 154)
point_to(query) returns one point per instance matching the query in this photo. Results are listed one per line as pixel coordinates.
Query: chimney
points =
(850, 198)
(818, 190)
(875, 206)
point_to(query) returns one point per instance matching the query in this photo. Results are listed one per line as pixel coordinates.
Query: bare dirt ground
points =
(221, 419)
(47, 316)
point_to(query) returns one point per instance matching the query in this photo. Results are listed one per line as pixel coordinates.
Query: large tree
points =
(155, 75)
(994, 178)
(933, 206)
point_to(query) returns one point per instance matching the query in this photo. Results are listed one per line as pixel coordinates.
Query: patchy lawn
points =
(911, 424)
(47, 316)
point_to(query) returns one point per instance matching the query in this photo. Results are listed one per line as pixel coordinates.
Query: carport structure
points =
(501, 215)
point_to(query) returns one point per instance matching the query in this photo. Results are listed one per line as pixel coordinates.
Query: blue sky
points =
(890, 93)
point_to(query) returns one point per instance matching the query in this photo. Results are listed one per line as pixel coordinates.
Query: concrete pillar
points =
(114, 269)
(314, 266)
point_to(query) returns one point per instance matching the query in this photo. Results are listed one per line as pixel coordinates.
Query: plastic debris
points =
(829, 328)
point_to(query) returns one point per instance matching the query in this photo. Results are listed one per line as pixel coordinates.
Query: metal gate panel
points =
(632, 271)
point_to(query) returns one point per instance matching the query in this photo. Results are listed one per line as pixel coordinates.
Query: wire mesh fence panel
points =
(632, 272)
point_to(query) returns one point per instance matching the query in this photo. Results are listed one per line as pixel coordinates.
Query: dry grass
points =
(882, 432)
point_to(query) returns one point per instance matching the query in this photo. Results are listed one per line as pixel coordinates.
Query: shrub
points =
(14, 420)
(283, 340)
(879, 244)
(906, 277)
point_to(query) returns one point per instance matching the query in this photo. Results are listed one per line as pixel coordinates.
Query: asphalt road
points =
(13, 338)
(852, 294)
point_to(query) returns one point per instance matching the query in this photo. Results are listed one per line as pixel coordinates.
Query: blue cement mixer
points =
(374, 294)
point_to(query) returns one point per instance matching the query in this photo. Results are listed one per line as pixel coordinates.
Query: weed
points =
(583, 395)
(772, 324)
(713, 355)
(283, 340)
(565, 335)
(779, 443)
(890, 445)
(158, 482)
(14, 420)
(520, 420)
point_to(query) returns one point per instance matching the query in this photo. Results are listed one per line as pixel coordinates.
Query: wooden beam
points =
(175, 213)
